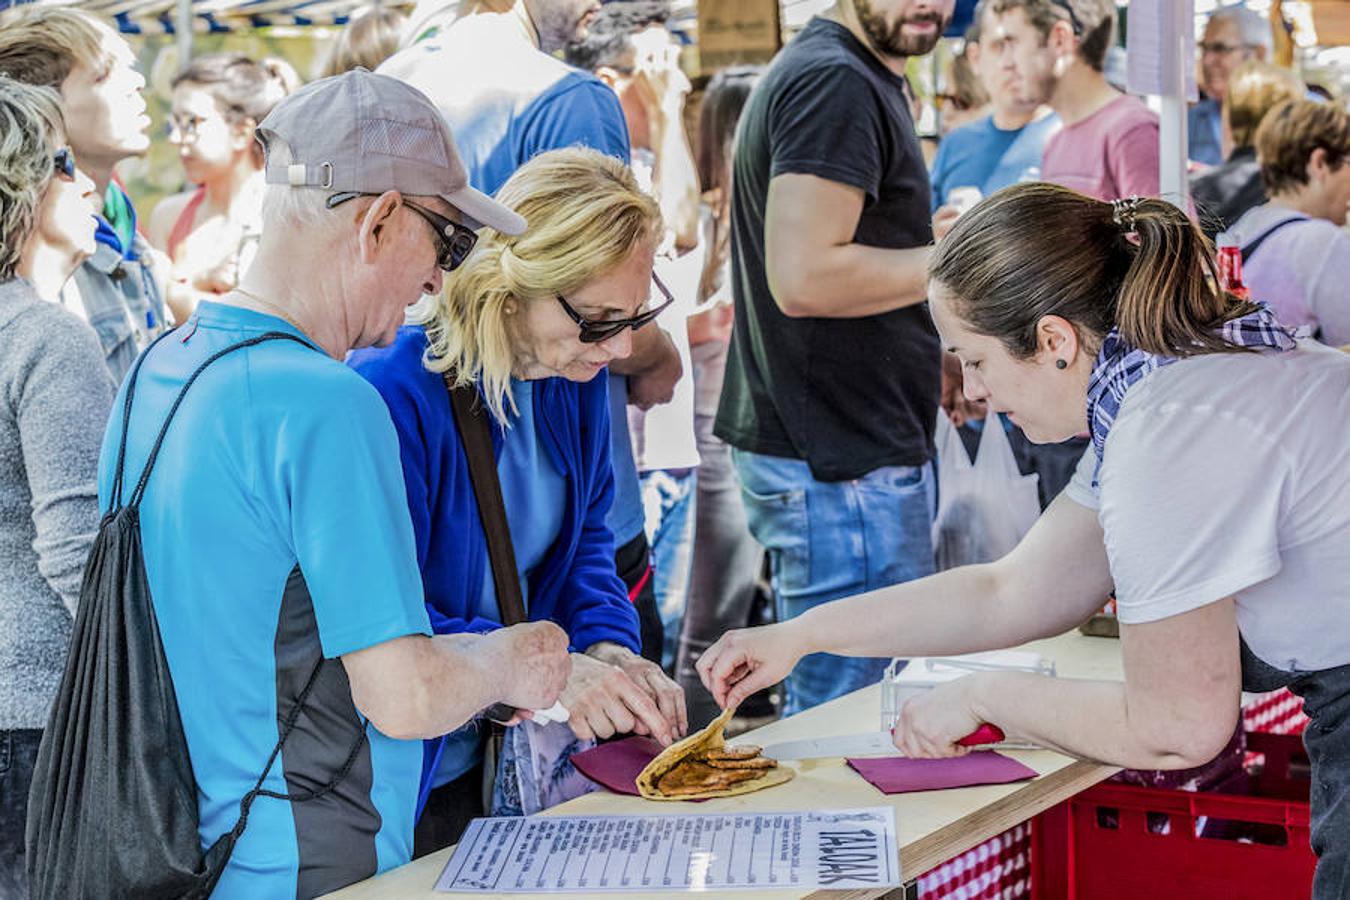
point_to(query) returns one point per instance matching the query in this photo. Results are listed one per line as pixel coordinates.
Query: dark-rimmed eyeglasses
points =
(595, 332)
(63, 164)
(454, 241)
(1221, 49)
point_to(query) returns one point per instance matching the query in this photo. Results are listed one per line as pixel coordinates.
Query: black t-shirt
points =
(846, 395)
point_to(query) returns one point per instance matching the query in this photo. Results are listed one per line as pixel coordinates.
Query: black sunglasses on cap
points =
(454, 241)
(63, 164)
(595, 332)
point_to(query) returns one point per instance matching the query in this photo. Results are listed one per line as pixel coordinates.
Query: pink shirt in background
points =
(1112, 153)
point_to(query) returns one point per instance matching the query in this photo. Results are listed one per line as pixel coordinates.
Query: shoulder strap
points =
(1251, 248)
(138, 493)
(471, 420)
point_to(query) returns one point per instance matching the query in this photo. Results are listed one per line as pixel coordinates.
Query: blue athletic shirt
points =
(990, 158)
(275, 530)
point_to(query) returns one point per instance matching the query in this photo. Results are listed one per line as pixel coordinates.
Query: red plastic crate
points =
(1247, 842)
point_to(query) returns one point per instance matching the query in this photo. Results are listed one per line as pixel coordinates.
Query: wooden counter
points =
(934, 826)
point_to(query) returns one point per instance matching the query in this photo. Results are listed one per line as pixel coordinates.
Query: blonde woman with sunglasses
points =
(530, 323)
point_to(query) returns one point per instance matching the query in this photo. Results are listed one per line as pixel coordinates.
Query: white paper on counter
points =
(849, 848)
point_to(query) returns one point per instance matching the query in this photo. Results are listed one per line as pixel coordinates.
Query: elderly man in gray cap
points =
(275, 525)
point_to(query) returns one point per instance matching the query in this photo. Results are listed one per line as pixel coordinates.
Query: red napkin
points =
(616, 765)
(901, 775)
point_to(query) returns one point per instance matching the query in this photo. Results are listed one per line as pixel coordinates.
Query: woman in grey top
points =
(55, 395)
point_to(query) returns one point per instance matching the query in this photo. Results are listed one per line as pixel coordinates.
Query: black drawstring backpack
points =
(113, 808)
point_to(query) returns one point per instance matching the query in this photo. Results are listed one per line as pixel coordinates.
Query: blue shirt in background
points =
(990, 158)
(532, 103)
(1204, 132)
(275, 532)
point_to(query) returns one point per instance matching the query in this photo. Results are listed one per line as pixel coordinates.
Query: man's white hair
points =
(1253, 28)
(299, 209)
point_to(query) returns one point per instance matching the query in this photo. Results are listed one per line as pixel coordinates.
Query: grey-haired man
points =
(275, 526)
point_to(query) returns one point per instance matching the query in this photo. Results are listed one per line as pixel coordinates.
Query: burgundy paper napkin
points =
(616, 765)
(901, 775)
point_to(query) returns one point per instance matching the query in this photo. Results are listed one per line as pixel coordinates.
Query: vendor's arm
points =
(1176, 709)
(1050, 582)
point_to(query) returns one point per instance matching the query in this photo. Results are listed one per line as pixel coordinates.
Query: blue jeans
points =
(18, 754)
(668, 507)
(832, 539)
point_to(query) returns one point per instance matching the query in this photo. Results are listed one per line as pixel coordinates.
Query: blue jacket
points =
(577, 586)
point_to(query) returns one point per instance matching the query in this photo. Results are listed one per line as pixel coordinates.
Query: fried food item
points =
(726, 754)
(750, 763)
(702, 766)
(692, 776)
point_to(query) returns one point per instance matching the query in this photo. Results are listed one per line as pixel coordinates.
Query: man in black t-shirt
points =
(832, 382)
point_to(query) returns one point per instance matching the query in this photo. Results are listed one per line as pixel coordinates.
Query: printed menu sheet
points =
(848, 848)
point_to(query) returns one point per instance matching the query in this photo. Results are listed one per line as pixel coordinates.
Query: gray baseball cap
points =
(359, 131)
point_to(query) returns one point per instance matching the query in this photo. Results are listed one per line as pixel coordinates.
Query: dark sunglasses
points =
(595, 332)
(454, 241)
(63, 164)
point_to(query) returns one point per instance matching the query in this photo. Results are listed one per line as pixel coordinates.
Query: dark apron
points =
(1326, 701)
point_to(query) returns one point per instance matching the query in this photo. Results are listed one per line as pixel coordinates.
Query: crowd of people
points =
(493, 382)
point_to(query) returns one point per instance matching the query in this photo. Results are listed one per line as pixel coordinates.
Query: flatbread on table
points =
(718, 770)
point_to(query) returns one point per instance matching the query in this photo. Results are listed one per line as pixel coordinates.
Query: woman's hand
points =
(604, 699)
(748, 660)
(668, 696)
(931, 723)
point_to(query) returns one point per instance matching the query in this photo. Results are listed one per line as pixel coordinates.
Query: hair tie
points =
(1123, 212)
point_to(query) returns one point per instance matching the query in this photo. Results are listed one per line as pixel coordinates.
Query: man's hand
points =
(668, 696)
(943, 220)
(531, 663)
(652, 375)
(603, 701)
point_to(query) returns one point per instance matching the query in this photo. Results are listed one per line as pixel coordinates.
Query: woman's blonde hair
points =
(1255, 89)
(586, 215)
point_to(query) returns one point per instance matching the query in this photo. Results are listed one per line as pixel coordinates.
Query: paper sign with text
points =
(850, 848)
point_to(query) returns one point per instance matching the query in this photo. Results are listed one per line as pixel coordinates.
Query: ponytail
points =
(1170, 303)
(1035, 249)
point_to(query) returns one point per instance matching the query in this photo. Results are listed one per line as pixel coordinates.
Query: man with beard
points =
(1056, 49)
(831, 391)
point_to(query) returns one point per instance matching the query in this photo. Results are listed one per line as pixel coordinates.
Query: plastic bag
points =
(985, 507)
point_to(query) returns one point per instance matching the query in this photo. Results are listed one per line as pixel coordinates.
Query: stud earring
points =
(1061, 364)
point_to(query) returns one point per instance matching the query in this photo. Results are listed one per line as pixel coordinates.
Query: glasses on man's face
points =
(595, 332)
(454, 241)
(1222, 49)
(63, 164)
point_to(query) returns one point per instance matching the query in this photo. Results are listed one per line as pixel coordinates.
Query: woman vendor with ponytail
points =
(1213, 497)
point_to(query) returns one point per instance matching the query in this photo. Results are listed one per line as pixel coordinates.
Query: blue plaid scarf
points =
(1119, 366)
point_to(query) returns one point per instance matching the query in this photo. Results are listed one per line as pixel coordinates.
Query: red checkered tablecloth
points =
(1278, 712)
(998, 869)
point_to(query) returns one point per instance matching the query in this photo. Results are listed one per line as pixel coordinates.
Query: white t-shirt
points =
(1229, 475)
